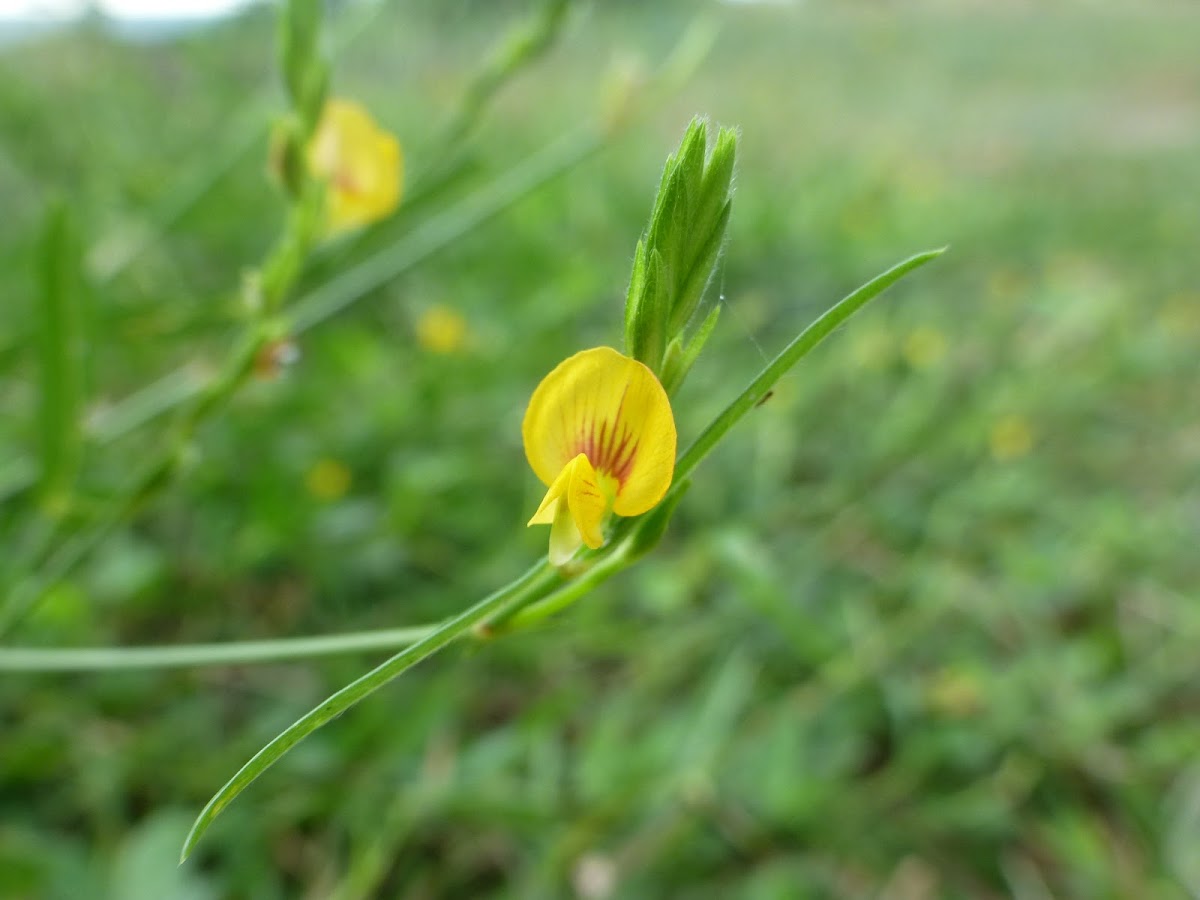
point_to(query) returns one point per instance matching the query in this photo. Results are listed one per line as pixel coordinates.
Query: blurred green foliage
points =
(926, 627)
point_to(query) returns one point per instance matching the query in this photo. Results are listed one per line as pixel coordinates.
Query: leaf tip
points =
(194, 834)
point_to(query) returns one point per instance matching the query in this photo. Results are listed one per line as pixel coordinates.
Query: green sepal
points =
(680, 356)
(647, 335)
(692, 285)
(718, 176)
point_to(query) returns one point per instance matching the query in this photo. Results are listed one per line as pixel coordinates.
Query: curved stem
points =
(538, 580)
(533, 612)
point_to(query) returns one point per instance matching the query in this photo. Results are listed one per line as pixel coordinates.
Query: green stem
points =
(112, 659)
(613, 561)
(523, 45)
(538, 580)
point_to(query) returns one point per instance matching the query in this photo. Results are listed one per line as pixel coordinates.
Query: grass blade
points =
(60, 355)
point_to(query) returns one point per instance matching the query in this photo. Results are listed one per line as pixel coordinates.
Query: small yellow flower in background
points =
(328, 480)
(955, 692)
(1011, 438)
(925, 347)
(600, 434)
(1005, 283)
(873, 349)
(1180, 314)
(441, 330)
(361, 163)
(619, 89)
(919, 180)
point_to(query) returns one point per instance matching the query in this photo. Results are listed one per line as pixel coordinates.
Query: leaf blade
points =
(60, 354)
(799, 347)
(538, 578)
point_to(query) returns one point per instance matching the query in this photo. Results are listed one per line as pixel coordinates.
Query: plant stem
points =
(111, 659)
(613, 561)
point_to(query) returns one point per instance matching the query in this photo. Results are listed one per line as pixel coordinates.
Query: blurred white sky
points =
(157, 10)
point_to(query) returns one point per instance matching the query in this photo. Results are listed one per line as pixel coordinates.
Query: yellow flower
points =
(328, 480)
(361, 163)
(955, 692)
(924, 347)
(441, 330)
(1011, 438)
(600, 433)
(872, 349)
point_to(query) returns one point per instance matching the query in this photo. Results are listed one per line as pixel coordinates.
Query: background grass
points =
(925, 627)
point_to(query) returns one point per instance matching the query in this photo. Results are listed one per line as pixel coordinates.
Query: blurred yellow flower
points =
(919, 180)
(441, 330)
(1005, 283)
(1011, 438)
(924, 347)
(955, 692)
(600, 434)
(872, 349)
(619, 89)
(328, 480)
(361, 163)
(1180, 315)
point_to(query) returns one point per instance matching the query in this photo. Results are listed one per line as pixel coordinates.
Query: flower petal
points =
(361, 162)
(586, 501)
(545, 513)
(578, 513)
(565, 539)
(575, 499)
(612, 409)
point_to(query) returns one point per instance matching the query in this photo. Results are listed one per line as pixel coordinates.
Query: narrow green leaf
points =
(681, 357)
(718, 179)
(657, 303)
(660, 199)
(700, 271)
(633, 297)
(800, 347)
(60, 344)
(668, 211)
(537, 581)
(645, 309)
(691, 159)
